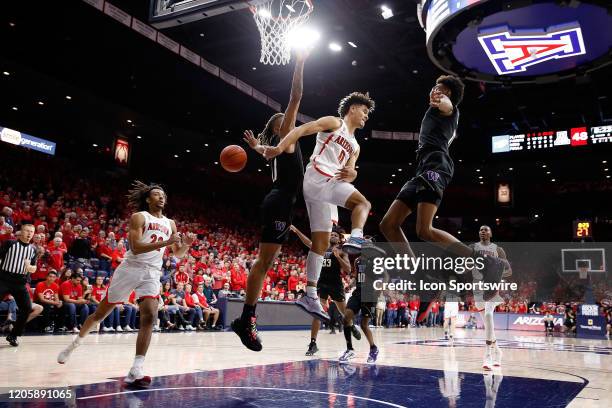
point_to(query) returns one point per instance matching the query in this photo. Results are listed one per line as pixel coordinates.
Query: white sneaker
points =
(313, 307)
(181, 328)
(74, 330)
(128, 329)
(346, 357)
(156, 328)
(137, 378)
(497, 356)
(189, 327)
(488, 359)
(107, 329)
(119, 329)
(64, 355)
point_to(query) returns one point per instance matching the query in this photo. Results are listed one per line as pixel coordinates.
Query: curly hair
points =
(356, 98)
(138, 194)
(455, 85)
(266, 135)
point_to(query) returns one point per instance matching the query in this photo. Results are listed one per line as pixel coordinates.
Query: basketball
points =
(233, 158)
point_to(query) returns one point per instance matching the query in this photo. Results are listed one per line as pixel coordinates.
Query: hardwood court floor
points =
(415, 368)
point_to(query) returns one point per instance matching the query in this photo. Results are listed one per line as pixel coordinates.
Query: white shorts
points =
(451, 309)
(323, 195)
(133, 276)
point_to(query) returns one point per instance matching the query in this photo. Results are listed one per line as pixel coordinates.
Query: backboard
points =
(170, 13)
(591, 259)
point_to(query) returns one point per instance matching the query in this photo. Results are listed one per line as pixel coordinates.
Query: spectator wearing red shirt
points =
(391, 312)
(46, 294)
(104, 253)
(200, 299)
(181, 276)
(98, 292)
(7, 233)
(238, 282)
(402, 313)
(198, 278)
(72, 297)
(198, 317)
(131, 313)
(433, 314)
(56, 250)
(292, 282)
(413, 306)
(118, 255)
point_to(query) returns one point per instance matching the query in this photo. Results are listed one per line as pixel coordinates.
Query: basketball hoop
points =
(275, 19)
(583, 272)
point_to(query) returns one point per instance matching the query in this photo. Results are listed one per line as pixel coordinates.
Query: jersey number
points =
(327, 263)
(341, 156)
(155, 238)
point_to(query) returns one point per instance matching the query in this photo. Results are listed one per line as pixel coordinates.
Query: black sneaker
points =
(312, 349)
(355, 332)
(247, 331)
(12, 340)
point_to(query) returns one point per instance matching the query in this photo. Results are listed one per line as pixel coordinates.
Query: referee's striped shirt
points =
(13, 255)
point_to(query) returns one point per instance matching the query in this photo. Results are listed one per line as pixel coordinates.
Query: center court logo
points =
(512, 51)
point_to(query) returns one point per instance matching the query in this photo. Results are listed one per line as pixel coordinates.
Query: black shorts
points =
(276, 213)
(330, 289)
(433, 175)
(356, 305)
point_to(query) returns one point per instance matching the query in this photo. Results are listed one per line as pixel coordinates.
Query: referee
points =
(17, 260)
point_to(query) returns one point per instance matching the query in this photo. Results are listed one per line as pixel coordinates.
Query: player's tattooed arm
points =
(137, 222)
(305, 240)
(502, 255)
(325, 123)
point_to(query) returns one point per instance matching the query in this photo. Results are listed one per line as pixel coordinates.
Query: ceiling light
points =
(604, 161)
(543, 166)
(12, 24)
(399, 169)
(226, 131)
(216, 162)
(264, 13)
(6, 73)
(205, 144)
(41, 103)
(537, 216)
(386, 12)
(176, 156)
(393, 175)
(608, 176)
(129, 121)
(303, 38)
(254, 68)
(138, 137)
(259, 170)
(94, 145)
(605, 169)
(335, 47)
(68, 97)
(201, 34)
(548, 172)
(511, 168)
(553, 180)
(365, 138)
(188, 151)
(482, 182)
(477, 170)
(14, 108)
(390, 182)
(480, 177)
(475, 219)
(352, 44)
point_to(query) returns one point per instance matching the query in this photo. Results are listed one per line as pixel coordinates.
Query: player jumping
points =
(327, 184)
(150, 232)
(277, 207)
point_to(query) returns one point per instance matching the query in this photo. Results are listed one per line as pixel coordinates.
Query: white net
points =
(275, 19)
(583, 272)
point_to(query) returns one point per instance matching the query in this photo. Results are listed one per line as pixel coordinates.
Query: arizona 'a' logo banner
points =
(511, 51)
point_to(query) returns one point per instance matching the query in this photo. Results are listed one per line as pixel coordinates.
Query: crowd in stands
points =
(81, 226)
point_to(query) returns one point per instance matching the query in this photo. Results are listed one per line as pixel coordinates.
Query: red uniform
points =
(292, 283)
(98, 293)
(72, 291)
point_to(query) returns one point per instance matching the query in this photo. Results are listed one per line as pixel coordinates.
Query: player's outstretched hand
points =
(440, 101)
(348, 174)
(250, 139)
(174, 238)
(271, 152)
(189, 238)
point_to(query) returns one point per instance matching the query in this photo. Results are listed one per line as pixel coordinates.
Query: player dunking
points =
(149, 234)
(355, 305)
(329, 285)
(327, 184)
(493, 353)
(423, 193)
(277, 206)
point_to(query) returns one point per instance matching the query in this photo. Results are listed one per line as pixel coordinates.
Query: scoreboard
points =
(582, 229)
(552, 139)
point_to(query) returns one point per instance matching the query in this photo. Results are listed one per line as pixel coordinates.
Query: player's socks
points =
(357, 233)
(347, 336)
(314, 264)
(248, 311)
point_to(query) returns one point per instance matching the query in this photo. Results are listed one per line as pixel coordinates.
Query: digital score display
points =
(574, 137)
(582, 229)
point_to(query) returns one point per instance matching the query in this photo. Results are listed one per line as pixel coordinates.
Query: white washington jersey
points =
(154, 230)
(333, 150)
